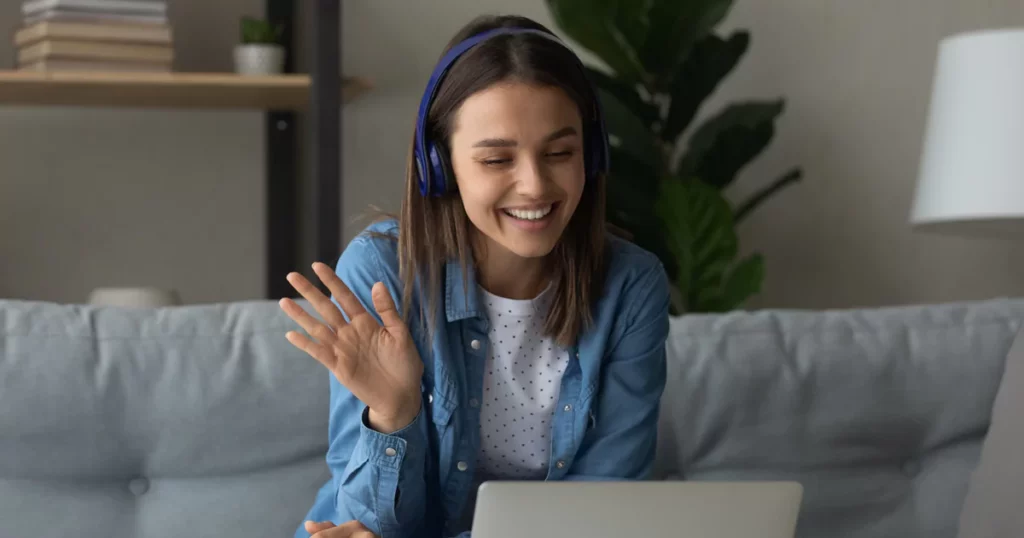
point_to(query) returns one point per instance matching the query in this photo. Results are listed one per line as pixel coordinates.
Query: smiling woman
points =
(494, 330)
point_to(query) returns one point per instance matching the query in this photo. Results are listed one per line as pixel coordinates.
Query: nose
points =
(531, 179)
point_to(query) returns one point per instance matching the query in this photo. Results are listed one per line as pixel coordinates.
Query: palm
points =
(376, 361)
(372, 359)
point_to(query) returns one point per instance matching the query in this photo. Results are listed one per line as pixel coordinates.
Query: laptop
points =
(651, 509)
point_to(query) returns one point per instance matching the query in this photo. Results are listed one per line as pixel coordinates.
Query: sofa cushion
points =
(993, 506)
(196, 420)
(879, 413)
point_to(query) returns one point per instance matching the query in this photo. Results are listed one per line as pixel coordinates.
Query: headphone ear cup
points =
(443, 175)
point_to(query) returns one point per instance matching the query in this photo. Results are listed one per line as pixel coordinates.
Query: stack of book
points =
(95, 35)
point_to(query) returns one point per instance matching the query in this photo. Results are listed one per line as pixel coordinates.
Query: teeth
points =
(529, 214)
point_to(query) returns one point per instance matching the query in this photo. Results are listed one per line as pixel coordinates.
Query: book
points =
(141, 7)
(52, 49)
(96, 66)
(64, 15)
(79, 31)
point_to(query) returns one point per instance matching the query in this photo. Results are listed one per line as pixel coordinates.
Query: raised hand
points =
(377, 362)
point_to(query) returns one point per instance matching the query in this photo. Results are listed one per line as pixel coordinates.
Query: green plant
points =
(663, 60)
(259, 31)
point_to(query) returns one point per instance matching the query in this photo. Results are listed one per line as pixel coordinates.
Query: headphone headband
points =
(431, 164)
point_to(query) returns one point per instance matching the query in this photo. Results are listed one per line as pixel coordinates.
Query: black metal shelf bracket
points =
(284, 203)
(281, 162)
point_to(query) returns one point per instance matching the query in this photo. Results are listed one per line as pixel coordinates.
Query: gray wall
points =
(174, 199)
(109, 197)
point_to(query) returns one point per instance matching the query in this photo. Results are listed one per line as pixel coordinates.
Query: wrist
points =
(391, 422)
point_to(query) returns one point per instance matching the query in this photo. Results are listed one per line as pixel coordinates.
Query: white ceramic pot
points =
(134, 297)
(259, 59)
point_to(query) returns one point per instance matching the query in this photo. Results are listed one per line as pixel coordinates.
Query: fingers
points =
(320, 302)
(348, 301)
(385, 306)
(316, 350)
(311, 325)
(352, 529)
(314, 527)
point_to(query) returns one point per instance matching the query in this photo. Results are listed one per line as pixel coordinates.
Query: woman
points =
(495, 330)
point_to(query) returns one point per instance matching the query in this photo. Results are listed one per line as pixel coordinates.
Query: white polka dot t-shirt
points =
(521, 381)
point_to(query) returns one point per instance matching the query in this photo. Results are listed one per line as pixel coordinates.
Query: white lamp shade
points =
(972, 167)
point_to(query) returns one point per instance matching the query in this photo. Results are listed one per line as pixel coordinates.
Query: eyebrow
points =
(506, 143)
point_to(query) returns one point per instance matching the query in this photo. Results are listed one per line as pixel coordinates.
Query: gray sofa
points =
(202, 421)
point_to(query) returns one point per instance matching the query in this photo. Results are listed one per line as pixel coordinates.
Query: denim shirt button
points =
(567, 408)
(475, 344)
(462, 466)
(560, 464)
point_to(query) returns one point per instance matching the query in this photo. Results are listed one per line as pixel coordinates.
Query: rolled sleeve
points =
(389, 450)
(383, 482)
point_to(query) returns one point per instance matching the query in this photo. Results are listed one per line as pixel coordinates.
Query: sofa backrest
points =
(879, 413)
(203, 421)
(199, 421)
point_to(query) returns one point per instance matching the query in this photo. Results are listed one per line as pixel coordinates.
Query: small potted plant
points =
(261, 51)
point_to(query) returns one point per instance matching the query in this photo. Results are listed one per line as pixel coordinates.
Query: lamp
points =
(971, 178)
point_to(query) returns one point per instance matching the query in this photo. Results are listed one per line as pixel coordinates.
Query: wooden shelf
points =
(164, 90)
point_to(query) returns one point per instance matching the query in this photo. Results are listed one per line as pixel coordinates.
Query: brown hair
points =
(435, 230)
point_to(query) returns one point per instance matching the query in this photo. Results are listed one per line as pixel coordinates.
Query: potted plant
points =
(663, 59)
(260, 51)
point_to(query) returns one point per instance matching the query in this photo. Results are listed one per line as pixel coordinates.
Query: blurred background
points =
(95, 197)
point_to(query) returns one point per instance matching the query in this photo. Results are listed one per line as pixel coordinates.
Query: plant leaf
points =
(743, 282)
(608, 28)
(714, 244)
(673, 210)
(764, 194)
(675, 25)
(627, 95)
(726, 143)
(700, 234)
(628, 133)
(630, 16)
(707, 65)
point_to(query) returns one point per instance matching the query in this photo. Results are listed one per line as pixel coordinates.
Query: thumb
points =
(313, 527)
(385, 306)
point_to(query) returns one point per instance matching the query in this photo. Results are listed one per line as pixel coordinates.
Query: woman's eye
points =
(495, 162)
(560, 154)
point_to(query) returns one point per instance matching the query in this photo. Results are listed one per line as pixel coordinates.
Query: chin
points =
(529, 248)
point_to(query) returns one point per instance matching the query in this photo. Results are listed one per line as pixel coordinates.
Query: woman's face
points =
(517, 154)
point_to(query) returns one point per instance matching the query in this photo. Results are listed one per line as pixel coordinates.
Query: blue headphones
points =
(433, 167)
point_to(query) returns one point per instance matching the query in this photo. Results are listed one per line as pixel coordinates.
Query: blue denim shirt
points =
(416, 483)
